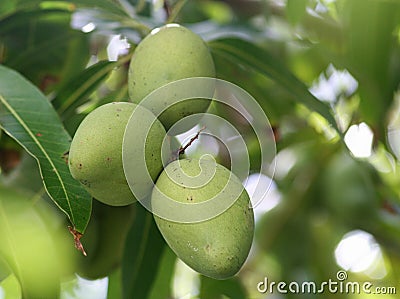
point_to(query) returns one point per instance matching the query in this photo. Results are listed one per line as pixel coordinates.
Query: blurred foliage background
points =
(326, 73)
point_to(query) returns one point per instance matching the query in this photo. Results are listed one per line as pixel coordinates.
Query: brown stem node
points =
(77, 239)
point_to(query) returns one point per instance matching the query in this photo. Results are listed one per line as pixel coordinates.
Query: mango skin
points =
(217, 247)
(95, 156)
(169, 53)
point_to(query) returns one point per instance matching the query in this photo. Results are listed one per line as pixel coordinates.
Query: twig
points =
(140, 6)
(167, 8)
(77, 239)
(141, 28)
(181, 149)
(175, 11)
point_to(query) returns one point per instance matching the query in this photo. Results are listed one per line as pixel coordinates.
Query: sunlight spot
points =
(265, 198)
(393, 134)
(89, 27)
(185, 282)
(117, 47)
(359, 140)
(155, 31)
(284, 162)
(88, 289)
(333, 83)
(394, 141)
(359, 252)
(171, 25)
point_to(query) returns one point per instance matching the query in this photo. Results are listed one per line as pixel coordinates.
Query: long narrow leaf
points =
(143, 251)
(73, 93)
(106, 5)
(260, 60)
(77, 91)
(28, 117)
(162, 286)
(211, 288)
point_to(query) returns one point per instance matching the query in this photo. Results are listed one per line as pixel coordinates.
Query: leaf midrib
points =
(36, 141)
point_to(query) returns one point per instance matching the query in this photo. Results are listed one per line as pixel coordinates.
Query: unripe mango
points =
(170, 53)
(215, 247)
(95, 156)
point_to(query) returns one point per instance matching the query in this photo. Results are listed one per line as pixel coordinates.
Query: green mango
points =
(104, 239)
(215, 247)
(171, 53)
(95, 156)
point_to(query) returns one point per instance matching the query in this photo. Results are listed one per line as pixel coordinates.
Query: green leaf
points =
(371, 48)
(260, 60)
(7, 6)
(41, 45)
(142, 255)
(296, 10)
(75, 92)
(114, 290)
(162, 285)
(18, 5)
(28, 117)
(217, 289)
(280, 102)
(106, 5)
(25, 176)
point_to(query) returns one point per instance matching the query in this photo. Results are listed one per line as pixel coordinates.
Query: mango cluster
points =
(216, 247)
